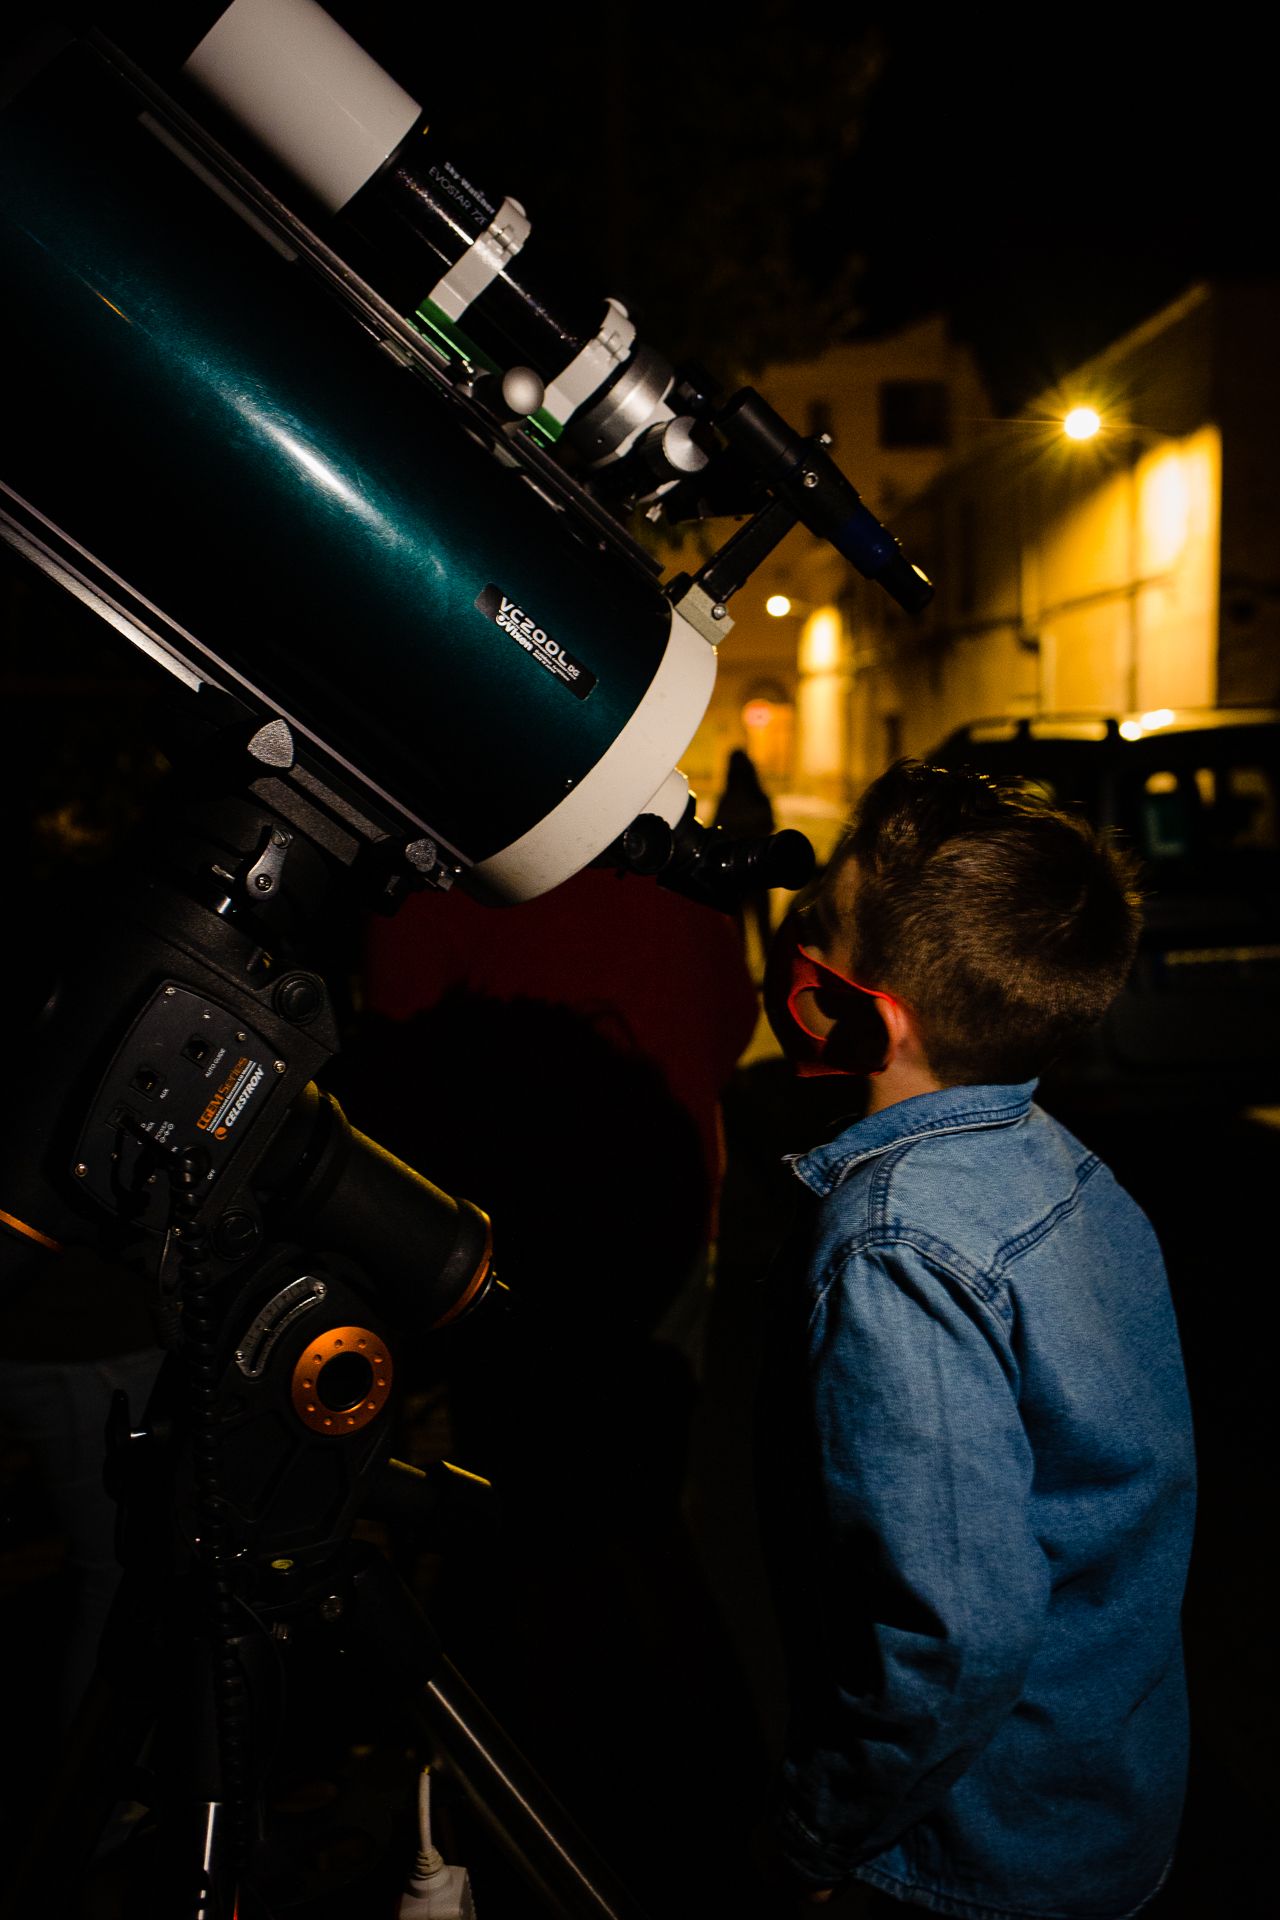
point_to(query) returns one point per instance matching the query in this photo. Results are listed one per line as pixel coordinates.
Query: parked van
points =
(1196, 795)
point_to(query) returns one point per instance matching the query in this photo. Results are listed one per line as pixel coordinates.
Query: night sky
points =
(1047, 178)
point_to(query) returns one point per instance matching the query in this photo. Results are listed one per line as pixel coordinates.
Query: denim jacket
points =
(978, 1488)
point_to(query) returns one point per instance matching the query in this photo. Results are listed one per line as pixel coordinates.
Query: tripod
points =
(290, 1260)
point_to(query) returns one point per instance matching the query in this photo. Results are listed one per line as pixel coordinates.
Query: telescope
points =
(297, 408)
(377, 504)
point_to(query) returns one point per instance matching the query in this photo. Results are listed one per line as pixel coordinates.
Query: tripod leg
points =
(516, 1806)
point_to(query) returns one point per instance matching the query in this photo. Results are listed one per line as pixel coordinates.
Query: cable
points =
(436, 1891)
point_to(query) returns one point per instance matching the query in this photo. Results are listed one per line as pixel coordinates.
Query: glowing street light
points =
(1081, 423)
(778, 605)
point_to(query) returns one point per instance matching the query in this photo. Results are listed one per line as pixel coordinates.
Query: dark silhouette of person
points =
(745, 812)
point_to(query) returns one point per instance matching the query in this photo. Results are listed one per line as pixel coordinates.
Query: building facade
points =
(1129, 571)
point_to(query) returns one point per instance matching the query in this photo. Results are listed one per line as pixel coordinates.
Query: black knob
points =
(299, 997)
(236, 1234)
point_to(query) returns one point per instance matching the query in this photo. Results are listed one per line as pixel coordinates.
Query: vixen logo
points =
(231, 1099)
(511, 618)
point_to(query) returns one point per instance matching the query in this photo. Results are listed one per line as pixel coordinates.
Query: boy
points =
(977, 1469)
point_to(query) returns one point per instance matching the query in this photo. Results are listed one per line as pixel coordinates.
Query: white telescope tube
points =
(306, 91)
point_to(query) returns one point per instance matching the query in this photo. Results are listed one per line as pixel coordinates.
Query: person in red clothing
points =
(561, 1064)
(608, 947)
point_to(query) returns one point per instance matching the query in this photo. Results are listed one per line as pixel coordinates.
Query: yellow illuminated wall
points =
(822, 700)
(1179, 493)
(1128, 583)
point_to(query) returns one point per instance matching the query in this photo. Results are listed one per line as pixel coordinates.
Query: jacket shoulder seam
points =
(945, 1259)
(1031, 1236)
(980, 1282)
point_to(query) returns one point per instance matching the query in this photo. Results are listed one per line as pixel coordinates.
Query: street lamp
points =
(785, 606)
(1081, 423)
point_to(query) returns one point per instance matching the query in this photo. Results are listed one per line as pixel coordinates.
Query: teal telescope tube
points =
(213, 429)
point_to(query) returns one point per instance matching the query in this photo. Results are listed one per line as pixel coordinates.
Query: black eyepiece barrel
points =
(802, 473)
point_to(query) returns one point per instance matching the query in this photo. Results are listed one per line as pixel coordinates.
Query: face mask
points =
(857, 1043)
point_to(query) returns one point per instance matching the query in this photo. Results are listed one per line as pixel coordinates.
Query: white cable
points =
(435, 1891)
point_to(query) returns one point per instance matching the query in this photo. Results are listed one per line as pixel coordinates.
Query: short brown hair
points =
(1004, 925)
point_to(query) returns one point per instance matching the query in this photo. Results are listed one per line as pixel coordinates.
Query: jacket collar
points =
(950, 1110)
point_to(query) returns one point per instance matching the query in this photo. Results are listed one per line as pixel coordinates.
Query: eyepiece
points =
(707, 865)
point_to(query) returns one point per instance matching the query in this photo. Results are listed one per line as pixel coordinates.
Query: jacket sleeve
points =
(927, 1588)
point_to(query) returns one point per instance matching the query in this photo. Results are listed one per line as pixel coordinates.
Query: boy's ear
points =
(903, 1034)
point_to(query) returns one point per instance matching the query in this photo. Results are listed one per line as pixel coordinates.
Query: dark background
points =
(756, 181)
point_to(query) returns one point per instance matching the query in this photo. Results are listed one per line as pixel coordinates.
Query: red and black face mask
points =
(857, 1043)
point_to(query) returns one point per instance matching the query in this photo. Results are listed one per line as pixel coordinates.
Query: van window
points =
(1203, 807)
